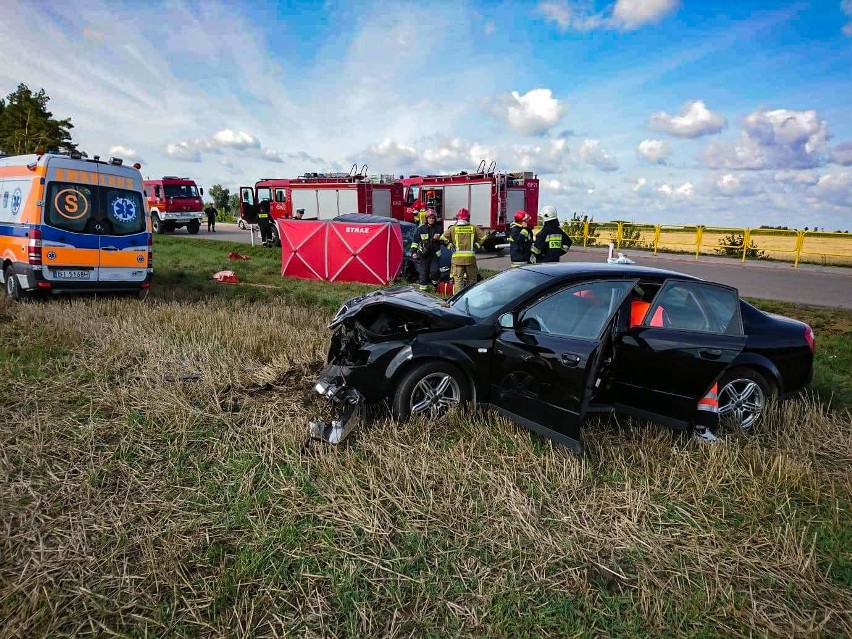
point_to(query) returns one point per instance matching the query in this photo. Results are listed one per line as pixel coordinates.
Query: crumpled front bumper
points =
(349, 406)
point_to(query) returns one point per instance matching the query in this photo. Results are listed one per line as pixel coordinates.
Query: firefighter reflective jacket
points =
(520, 243)
(425, 242)
(466, 238)
(551, 243)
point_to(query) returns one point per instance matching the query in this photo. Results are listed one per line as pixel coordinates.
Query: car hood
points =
(407, 299)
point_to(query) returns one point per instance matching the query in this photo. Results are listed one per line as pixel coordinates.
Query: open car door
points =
(663, 365)
(248, 208)
(547, 355)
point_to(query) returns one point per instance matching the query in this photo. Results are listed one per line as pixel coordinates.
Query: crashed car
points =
(546, 345)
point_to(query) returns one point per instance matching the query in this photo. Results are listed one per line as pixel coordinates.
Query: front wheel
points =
(744, 395)
(430, 389)
(157, 224)
(193, 227)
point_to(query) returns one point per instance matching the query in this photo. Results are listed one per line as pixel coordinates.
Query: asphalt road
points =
(807, 284)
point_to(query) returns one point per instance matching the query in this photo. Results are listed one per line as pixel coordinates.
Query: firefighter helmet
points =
(548, 213)
(520, 216)
(431, 213)
(463, 214)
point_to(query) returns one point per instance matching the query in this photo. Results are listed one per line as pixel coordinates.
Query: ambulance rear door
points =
(123, 228)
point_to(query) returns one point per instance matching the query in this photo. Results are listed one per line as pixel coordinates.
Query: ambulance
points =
(70, 224)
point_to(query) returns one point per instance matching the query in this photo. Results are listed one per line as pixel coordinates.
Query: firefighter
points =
(300, 213)
(210, 212)
(428, 249)
(552, 242)
(465, 238)
(263, 221)
(520, 240)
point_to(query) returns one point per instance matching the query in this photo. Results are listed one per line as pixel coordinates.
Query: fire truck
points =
(491, 197)
(322, 196)
(174, 202)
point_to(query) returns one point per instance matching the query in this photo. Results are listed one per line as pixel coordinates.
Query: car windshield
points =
(497, 292)
(180, 190)
(101, 210)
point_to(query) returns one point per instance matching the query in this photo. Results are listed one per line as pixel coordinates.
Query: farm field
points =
(833, 249)
(154, 480)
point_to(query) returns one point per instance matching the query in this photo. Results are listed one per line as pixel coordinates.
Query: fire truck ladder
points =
(500, 181)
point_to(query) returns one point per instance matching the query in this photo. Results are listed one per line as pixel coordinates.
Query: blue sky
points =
(674, 111)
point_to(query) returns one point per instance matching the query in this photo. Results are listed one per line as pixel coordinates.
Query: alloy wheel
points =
(741, 402)
(435, 394)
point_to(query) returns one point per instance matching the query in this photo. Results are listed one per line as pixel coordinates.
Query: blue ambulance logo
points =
(123, 209)
(140, 258)
(51, 255)
(16, 201)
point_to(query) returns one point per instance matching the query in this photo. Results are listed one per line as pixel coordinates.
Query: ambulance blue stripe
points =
(14, 230)
(77, 240)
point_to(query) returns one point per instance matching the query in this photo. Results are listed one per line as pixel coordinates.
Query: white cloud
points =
(842, 153)
(730, 185)
(685, 190)
(796, 178)
(632, 14)
(592, 153)
(695, 120)
(226, 138)
(835, 189)
(534, 113)
(271, 154)
(124, 153)
(568, 186)
(777, 139)
(654, 151)
(626, 15)
(183, 151)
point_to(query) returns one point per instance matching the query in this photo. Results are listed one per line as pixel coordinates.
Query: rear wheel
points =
(157, 224)
(273, 231)
(193, 227)
(744, 395)
(13, 287)
(430, 389)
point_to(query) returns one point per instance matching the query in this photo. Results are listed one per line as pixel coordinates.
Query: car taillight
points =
(150, 253)
(809, 338)
(34, 247)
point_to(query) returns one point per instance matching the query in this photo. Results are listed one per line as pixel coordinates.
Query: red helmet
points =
(431, 213)
(463, 214)
(520, 216)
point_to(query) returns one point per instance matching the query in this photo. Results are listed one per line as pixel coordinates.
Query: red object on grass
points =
(233, 255)
(340, 251)
(226, 277)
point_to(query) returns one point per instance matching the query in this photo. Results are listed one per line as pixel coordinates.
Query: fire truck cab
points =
(491, 197)
(322, 196)
(174, 202)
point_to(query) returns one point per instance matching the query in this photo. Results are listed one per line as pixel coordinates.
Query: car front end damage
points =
(372, 339)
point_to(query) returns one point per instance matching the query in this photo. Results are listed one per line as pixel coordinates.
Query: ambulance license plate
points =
(73, 275)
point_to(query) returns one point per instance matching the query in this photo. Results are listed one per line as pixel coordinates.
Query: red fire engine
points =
(174, 202)
(490, 197)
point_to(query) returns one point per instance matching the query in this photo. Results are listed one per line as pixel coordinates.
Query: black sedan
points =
(546, 345)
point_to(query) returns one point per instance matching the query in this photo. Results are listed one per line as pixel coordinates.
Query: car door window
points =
(696, 306)
(580, 311)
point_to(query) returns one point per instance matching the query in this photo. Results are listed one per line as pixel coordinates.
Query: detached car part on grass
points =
(547, 345)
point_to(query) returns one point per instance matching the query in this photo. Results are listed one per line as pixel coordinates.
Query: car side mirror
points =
(506, 320)
(201, 190)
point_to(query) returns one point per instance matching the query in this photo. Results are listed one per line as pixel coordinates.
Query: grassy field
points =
(155, 481)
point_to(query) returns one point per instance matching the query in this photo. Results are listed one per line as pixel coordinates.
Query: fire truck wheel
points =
(157, 224)
(193, 227)
(276, 241)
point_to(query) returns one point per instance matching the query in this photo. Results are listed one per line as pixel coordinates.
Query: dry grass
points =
(154, 482)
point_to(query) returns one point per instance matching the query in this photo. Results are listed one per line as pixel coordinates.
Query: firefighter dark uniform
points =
(465, 238)
(520, 240)
(552, 242)
(264, 222)
(428, 246)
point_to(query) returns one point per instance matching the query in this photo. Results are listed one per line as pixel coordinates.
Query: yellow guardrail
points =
(742, 242)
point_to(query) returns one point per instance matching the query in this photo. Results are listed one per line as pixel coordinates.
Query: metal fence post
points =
(618, 234)
(585, 232)
(800, 243)
(699, 233)
(656, 237)
(746, 242)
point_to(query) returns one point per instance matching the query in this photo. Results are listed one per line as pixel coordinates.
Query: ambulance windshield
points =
(101, 210)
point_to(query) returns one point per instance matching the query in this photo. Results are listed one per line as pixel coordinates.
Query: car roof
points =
(367, 218)
(603, 269)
